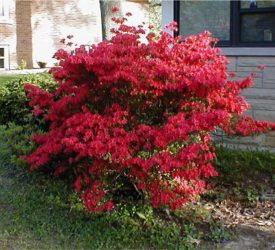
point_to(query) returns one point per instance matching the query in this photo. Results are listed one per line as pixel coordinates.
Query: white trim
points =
(167, 14)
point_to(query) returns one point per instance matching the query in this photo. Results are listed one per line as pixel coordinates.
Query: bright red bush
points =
(141, 111)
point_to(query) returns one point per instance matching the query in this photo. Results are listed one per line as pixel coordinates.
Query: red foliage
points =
(144, 111)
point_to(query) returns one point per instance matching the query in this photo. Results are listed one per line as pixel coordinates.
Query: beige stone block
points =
(269, 86)
(270, 134)
(266, 115)
(249, 112)
(269, 77)
(262, 104)
(247, 140)
(270, 141)
(249, 69)
(254, 93)
(244, 74)
(232, 64)
(257, 81)
(255, 61)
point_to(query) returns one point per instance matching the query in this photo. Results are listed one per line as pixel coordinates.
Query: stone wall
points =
(261, 97)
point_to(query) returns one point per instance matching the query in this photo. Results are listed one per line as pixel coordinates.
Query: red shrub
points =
(141, 111)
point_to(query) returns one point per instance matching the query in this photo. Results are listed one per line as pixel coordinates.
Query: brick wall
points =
(261, 97)
(35, 27)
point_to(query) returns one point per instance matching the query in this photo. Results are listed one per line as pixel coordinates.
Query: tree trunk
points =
(106, 16)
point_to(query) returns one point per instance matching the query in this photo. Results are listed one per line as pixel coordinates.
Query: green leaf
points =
(141, 215)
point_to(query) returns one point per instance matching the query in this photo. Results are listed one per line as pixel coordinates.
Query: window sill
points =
(253, 51)
(5, 20)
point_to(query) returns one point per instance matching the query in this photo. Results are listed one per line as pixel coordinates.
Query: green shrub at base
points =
(14, 103)
(15, 141)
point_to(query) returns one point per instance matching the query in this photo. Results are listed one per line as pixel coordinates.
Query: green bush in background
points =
(13, 100)
(15, 141)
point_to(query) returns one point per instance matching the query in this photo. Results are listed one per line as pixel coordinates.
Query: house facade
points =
(246, 30)
(30, 30)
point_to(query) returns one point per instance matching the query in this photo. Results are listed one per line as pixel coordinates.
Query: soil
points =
(252, 224)
(247, 239)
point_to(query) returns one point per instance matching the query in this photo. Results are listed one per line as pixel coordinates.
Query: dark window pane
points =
(198, 16)
(257, 4)
(1, 63)
(258, 27)
(1, 52)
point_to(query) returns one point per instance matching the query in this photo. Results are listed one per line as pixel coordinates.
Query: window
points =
(3, 57)
(4, 10)
(235, 23)
(197, 16)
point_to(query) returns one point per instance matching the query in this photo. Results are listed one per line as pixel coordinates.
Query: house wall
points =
(261, 96)
(52, 20)
(139, 10)
(34, 27)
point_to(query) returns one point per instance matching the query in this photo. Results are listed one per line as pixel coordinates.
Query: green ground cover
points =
(6, 78)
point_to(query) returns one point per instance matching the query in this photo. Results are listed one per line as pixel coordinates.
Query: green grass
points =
(6, 78)
(237, 165)
(38, 213)
(244, 176)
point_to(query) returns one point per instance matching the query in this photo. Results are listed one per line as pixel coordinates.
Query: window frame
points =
(235, 25)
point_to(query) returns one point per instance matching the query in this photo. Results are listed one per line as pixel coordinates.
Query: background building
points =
(30, 30)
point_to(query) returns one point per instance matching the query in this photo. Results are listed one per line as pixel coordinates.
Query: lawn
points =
(39, 212)
(6, 78)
